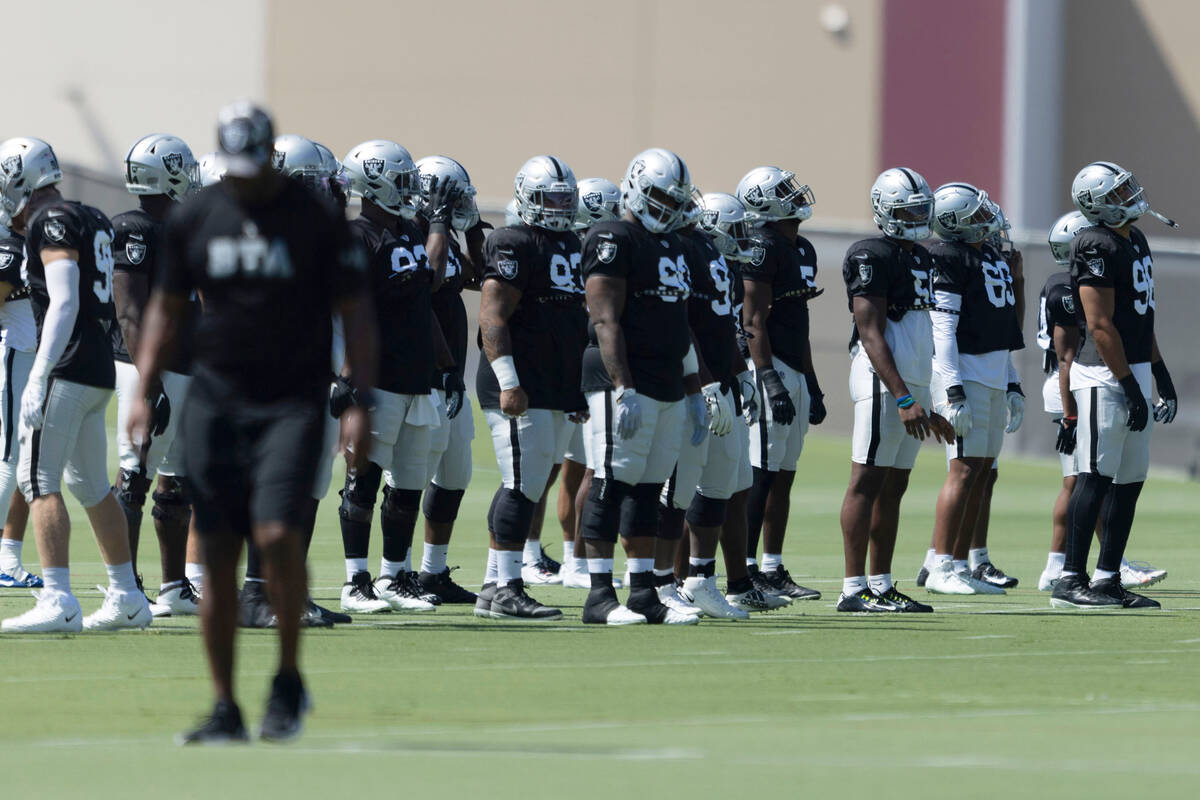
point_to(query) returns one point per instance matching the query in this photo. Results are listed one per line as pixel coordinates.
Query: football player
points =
(891, 345)
(975, 330)
(1112, 277)
(69, 266)
(273, 263)
(636, 280)
(779, 280)
(160, 171)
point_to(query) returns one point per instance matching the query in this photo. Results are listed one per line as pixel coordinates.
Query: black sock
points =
(756, 509)
(1118, 522)
(398, 519)
(741, 585)
(1082, 512)
(356, 537)
(253, 561)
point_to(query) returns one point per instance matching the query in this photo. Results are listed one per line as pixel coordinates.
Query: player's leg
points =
(404, 480)
(134, 478)
(317, 615)
(674, 498)
(14, 511)
(537, 568)
(1058, 536)
(440, 506)
(573, 572)
(172, 512)
(1118, 518)
(979, 561)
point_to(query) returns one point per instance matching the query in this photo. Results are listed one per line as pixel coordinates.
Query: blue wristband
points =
(905, 402)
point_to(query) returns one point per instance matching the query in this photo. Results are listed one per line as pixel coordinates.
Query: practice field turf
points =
(986, 697)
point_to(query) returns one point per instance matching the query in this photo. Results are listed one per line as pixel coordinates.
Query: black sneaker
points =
(784, 585)
(922, 576)
(313, 618)
(331, 616)
(1112, 588)
(988, 573)
(864, 602)
(1074, 591)
(254, 607)
(439, 584)
(415, 589)
(286, 708)
(903, 603)
(223, 726)
(511, 602)
(549, 563)
(483, 600)
(760, 580)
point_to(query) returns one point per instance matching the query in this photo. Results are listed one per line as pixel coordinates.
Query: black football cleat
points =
(550, 563)
(863, 602)
(760, 580)
(330, 616)
(439, 584)
(223, 726)
(1074, 592)
(922, 576)
(784, 585)
(286, 708)
(1112, 588)
(903, 603)
(483, 600)
(254, 607)
(989, 573)
(510, 602)
(313, 618)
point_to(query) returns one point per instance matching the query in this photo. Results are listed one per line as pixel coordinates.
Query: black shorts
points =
(250, 463)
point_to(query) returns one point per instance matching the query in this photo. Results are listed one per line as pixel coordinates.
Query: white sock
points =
(1066, 574)
(121, 578)
(700, 562)
(568, 559)
(597, 566)
(533, 551)
(391, 569)
(1055, 562)
(10, 555)
(939, 560)
(960, 566)
(880, 583)
(852, 586)
(771, 561)
(977, 556)
(433, 559)
(194, 572)
(640, 565)
(660, 573)
(166, 587)
(929, 562)
(489, 575)
(750, 562)
(355, 566)
(508, 566)
(1101, 574)
(57, 579)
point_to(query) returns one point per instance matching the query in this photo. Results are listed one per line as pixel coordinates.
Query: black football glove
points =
(1135, 402)
(816, 400)
(452, 384)
(783, 411)
(160, 413)
(443, 195)
(1168, 401)
(1066, 435)
(341, 397)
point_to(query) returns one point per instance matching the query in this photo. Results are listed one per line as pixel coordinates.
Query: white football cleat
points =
(1049, 579)
(359, 597)
(179, 601)
(980, 587)
(757, 600)
(576, 580)
(621, 615)
(1139, 573)
(674, 617)
(702, 592)
(55, 612)
(539, 574)
(944, 580)
(119, 610)
(402, 595)
(668, 595)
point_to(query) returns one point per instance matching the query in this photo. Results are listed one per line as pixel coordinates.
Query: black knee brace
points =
(512, 514)
(172, 504)
(639, 512)
(131, 489)
(441, 505)
(705, 512)
(358, 498)
(670, 523)
(601, 518)
(400, 502)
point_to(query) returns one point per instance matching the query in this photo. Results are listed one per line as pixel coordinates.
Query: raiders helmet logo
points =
(426, 182)
(865, 272)
(754, 196)
(12, 165)
(277, 157)
(638, 168)
(948, 220)
(592, 201)
(507, 267)
(1096, 267)
(55, 231)
(6, 259)
(1068, 302)
(173, 163)
(758, 255)
(606, 252)
(135, 252)
(373, 168)
(708, 220)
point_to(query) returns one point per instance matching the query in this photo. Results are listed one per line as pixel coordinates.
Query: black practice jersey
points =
(1103, 258)
(271, 277)
(450, 311)
(401, 281)
(548, 328)
(980, 276)
(655, 319)
(1056, 309)
(12, 259)
(710, 306)
(791, 269)
(70, 225)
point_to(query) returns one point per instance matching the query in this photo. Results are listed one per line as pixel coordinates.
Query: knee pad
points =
(512, 514)
(705, 512)
(131, 489)
(639, 511)
(601, 519)
(358, 498)
(400, 502)
(171, 503)
(670, 523)
(441, 505)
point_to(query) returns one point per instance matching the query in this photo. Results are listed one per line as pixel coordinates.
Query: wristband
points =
(906, 401)
(1070, 419)
(1015, 387)
(691, 364)
(438, 227)
(506, 373)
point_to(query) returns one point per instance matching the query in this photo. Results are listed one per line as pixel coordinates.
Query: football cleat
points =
(1112, 587)
(989, 573)
(551, 564)
(332, 617)
(922, 576)
(703, 594)
(510, 602)
(755, 599)
(286, 708)
(573, 579)
(668, 595)
(1136, 574)
(603, 608)
(762, 583)
(254, 607)
(1074, 592)
(442, 587)
(178, 601)
(401, 593)
(903, 603)
(645, 601)
(414, 586)
(312, 617)
(863, 601)
(483, 600)
(223, 726)
(785, 586)
(54, 612)
(359, 595)
(540, 573)
(119, 610)
(21, 578)
(944, 580)
(980, 587)
(1048, 580)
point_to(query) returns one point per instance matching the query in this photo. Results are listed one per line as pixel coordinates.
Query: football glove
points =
(1168, 401)
(442, 197)
(816, 400)
(720, 409)
(629, 413)
(341, 396)
(783, 411)
(958, 413)
(1016, 408)
(697, 411)
(160, 413)
(1066, 435)
(1135, 403)
(750, 408)
(32, 402)
(452, 384)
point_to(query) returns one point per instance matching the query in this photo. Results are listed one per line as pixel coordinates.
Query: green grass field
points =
(986, 697)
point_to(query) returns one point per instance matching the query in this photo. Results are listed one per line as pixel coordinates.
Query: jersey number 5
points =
(102, 250)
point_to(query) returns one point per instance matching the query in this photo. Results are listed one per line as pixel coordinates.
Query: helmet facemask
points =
(908, 219)
(552, 208)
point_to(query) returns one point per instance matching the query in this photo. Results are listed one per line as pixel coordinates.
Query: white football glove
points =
(32, 401)
(958, 413)
(629, 414)
(697, 411)
(1016, 412)
(750, 408)
(719, 408)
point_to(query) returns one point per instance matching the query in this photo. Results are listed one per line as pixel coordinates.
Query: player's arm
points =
(443, 358)
(62, 284)
(1016, 266)
(497, 302)
(1066, 345)
(131, 291)
(756, 307)
(438, 208)
(606, 303)
(472, 259)
(159, 337)
(1168, 403)
(870, 318)
(1099, 303)
(357, 313)
(6, 289)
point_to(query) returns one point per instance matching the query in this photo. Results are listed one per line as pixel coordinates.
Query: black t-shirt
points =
(791, 270)
(1103, 258)
(710, 306)
(402, 284)
(548, 328)
(450, 310)
(1056, 309)
(882, 267)
(655, 318)
(271, 277)
(988, 318)
(12, 257)
(73, 226)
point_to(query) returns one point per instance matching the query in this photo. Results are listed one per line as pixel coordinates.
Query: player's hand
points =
(629, 414)
(783, 411)
(697, 411)
(579, 417)
(1016, 411)
(455, 389)
(137, 425)
(341, 396)
(1168, 401)
(720, 410)
(443, 195)
(750, 409)
(957, 412)
(354, 438)
(916, 422)
(1065, 443)
(1016, 264)
(1135, 404)
(816, 399)
(1164, 411)
(160, 413)
(940, 429)
(33, 400)
(514, 402)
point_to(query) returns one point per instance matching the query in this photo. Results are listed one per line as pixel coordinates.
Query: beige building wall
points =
(492, 84)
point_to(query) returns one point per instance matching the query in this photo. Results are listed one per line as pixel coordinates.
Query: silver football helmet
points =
(772, 194)
(161, 164)
(963, 213)
(902, 203)
(657, 190)
(300, 158)
(384, 173)
(1001, 239)
(726, 220)
(26, 165)
(209, 169)
(599, 201)
(1062, 232)
(512, 214)
(1106, 193)
(546, 193)
(333, 168)
(466, 214)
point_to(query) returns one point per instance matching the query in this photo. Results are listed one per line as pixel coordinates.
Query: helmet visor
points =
(913, 213)
(1125, 193)
(984, 216)
(788, 191)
